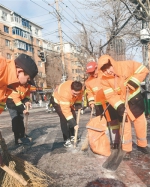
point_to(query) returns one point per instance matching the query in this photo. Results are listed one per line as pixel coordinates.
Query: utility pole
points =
(146, 43)
(61, 42)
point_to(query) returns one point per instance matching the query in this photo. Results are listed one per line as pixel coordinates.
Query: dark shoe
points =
(72, 139)
(25, 140)
(144, 150)
(68, 143)
(127, 156)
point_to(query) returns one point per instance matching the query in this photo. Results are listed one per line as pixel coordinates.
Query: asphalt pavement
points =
(71, 167)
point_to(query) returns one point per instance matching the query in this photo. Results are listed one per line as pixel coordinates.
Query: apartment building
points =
(117, 49)
(75, 61)
(20, 35)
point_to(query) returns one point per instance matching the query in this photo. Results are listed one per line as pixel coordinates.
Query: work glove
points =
(121, 109)
(76, 127)
(92, 105)
(72, 122)
(78, 106)
(1, 161)
(132, 85)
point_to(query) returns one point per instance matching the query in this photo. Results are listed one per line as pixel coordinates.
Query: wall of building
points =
(19, 35)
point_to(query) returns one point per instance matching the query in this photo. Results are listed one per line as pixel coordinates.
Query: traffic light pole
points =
(61, 41)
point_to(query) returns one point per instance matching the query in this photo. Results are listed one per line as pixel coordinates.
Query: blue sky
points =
(39, 12)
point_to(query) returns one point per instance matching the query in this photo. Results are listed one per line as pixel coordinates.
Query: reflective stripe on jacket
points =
(63, 96)
(19, 96)
(127, 72)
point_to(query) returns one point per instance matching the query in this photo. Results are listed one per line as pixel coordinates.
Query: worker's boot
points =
(144, 150)
(127, 156)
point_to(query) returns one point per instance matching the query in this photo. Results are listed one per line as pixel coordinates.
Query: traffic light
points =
(42, 56)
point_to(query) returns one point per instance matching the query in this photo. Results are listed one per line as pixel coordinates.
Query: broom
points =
(76, 132)
(86, 141)
(20, 173)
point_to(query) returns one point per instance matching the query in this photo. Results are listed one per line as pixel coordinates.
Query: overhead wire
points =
(61, 18)
(77, 9)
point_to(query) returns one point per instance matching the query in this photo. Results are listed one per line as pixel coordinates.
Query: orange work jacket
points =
(19, 96)
(95, 92)
(115, 86)
(63, 96)
(8, 76)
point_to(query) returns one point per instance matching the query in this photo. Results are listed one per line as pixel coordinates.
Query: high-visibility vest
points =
(63, 96)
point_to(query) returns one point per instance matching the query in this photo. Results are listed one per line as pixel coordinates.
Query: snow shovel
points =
(26, 124)
(76, 132)
(116, 157)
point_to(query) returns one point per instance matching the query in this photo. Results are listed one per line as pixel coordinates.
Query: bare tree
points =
(53, 68)
(113, 19)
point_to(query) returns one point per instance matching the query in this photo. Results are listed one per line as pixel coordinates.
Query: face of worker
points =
(93, 73)
(22, 76)
(75, 93)
(109, 71)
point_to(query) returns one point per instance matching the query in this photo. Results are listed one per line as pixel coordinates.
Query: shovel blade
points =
(114, 160)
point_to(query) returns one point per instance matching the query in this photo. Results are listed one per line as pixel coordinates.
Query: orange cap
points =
(91, 66)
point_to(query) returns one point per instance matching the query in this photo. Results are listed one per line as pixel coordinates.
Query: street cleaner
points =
(97, 99)
(117, 75)
(15, 79)
(17, 103)
(65, 96)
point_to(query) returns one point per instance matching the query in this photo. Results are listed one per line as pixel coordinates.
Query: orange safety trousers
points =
(140, 125)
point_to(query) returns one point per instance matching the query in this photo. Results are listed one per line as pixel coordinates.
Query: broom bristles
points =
(85, 144)
(34, 176)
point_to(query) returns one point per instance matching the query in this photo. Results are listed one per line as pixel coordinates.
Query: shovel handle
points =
(125, 113)
(76, 132)
(26, 120)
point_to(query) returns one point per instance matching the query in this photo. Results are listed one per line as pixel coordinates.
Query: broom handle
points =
(125, 114)
(26, 120)
(76, 132)
(14, 174)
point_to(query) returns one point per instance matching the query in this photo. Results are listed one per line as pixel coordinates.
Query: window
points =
(8, 56)
(38, 42)
(36, 31)
(4, 15)
(7, 42)
(25, 23)
(6, 29)
(58, 48)
(23, 45)
(20, 32)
